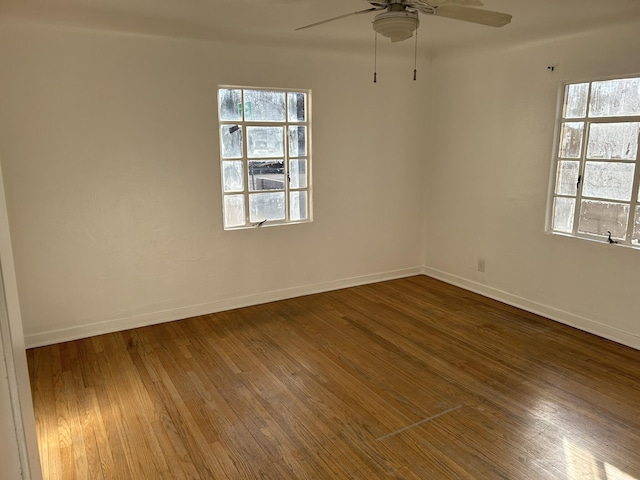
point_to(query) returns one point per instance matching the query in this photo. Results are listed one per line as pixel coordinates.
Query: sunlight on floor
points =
(582, 465)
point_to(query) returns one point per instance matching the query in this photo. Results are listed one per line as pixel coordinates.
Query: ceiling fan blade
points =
(474, 15)
(373, 9)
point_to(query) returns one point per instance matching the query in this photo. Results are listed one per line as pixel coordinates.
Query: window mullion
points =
(287, 177)
(633, 204)
(581, 169)
(583, 157)
(245, 162)
(286, 140)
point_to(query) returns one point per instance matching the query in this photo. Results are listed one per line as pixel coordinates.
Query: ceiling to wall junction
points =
(275, 21)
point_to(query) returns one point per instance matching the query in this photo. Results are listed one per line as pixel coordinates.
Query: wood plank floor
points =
(406, 379)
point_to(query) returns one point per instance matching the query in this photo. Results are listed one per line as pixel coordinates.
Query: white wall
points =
(109, 152)
(488, 180)
(110, 157)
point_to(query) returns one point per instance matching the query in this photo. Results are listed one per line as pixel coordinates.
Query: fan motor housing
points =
(397, 26)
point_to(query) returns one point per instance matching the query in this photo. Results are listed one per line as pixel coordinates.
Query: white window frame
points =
(633, 203)
(288, 188)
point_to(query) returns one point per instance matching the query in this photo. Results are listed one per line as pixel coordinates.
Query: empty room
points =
(292, 239)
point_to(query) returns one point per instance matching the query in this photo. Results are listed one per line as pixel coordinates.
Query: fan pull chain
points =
(415, 58)
(375, 58)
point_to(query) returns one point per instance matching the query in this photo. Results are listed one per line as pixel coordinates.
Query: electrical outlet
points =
(481, 264)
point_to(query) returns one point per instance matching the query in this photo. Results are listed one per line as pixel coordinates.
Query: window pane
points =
(598, 218)
(231, 141)
(265, 142)
(298, 206)
(636, 228)
(264, 106)
(616, 141)
(610, 180)
(230, 104)
(233, 210)
(266, 175)
(575, 100)
(298, 173)
(266, 206)
(297, 110)
(571, 139)
(563, 212)
(615, 98)
(567, 177)
(232, 176)
(297, 141)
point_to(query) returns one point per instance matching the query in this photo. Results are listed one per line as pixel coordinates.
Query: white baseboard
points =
(561, 316)
(124, 323)
(93, 328)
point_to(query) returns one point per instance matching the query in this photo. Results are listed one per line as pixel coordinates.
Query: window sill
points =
(266, 225)
(601, 240)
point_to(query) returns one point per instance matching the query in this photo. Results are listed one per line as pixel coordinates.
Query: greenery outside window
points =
(265, 145)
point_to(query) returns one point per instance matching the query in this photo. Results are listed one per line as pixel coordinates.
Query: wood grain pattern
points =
(323, 386)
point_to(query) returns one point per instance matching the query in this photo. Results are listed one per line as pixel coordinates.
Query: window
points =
(596, 188)
(265, 156)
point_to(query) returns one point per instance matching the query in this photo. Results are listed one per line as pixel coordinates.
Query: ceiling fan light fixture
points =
(397, 26)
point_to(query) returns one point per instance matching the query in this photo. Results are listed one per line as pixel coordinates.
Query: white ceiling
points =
(276, 20)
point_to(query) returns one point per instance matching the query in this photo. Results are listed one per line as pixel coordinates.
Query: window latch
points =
(579, 180)
(259, 224)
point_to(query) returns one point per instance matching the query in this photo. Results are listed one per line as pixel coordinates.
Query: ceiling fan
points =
(400, 19)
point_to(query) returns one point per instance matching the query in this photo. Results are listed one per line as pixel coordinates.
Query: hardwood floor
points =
(406, 379)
